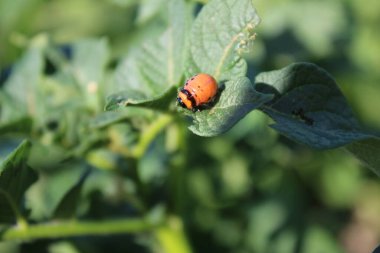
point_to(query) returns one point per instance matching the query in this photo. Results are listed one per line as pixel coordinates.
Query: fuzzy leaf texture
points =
(15, 178)
(148, 75)
(222, 29)
(309, 107)
(237, 99)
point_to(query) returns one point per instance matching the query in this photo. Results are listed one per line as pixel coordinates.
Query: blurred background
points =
(249, 190)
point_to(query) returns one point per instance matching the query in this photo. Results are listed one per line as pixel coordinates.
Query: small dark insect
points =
(301, 114)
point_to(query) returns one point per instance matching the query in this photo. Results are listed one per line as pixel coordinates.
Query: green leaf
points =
(309, 107)
(15, 178)
(107, 118)
(19, 94)
(237, 99)
(149, 73)
(23, 125)
(45, 195)
(89, 60)
(67, 207)
(149, 9)
(123, 99)
(88, 66)
(367, 151)
(222, 29)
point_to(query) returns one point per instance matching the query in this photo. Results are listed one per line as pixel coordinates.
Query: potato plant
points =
(96, 152)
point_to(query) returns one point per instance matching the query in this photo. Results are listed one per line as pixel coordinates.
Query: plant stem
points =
(176, 145)
(76, 228)
(172, 237)
(150, 133)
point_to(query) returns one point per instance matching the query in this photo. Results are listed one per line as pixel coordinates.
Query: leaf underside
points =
(309, 107)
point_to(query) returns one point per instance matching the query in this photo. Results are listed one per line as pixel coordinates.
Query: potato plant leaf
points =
(67, 207)
(19, 96)
(220, 31)
(123, 99)
(368, 152)
(15, 178)
(237, 99)
(20, 125)
(90, 57)
(150, 72)
(309, 107)
(110, 117)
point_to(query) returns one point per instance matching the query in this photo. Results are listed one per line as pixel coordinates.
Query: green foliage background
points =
(169, 190)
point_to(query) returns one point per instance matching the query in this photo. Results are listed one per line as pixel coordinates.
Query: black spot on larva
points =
(301, 114)
(192, 79)
(199, 86)
(189, 97)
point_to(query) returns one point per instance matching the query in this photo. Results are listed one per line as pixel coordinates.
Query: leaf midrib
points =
(226, 52)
